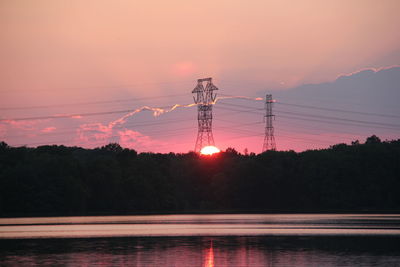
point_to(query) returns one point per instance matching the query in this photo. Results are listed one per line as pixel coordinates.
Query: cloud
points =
(157, 111)
(97, 134)
(76, 117)
(370, 70)
(21, 129)
(93, 133)
(378, 87)
(48, 129)
(133, 139)
(26, 125)
(29, 128)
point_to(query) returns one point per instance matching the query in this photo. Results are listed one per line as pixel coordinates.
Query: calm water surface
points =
(202, 240)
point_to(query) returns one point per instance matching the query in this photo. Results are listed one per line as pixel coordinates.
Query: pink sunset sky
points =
(75, 72)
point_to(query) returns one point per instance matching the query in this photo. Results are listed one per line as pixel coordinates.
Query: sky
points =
(92, 62)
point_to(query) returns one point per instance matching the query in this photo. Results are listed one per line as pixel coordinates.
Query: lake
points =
(203, 240)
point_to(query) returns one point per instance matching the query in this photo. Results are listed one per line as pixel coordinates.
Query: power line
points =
(251, 133)
(372, 123)
(126, 125)
(235, 122)
(338, 110)
(300, 126)
(252, 110)
(246, 132)
(328, 99)
(134, 124)
(339, 119)
(280, 130)
(91, 102)
(247, 135)
(333, 122)
(98, 87)
(321, 108)
(312, 141)
(63, 116)
(107, 141)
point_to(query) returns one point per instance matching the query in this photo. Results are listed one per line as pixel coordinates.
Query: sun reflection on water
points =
(209, 259)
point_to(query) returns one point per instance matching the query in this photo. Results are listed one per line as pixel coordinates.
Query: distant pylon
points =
(269, 139)
(204, 99)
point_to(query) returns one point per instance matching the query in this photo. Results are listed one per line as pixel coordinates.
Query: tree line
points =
(60, 180)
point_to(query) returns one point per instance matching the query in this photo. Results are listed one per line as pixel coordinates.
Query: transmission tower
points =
(204, 99)
(269, 139)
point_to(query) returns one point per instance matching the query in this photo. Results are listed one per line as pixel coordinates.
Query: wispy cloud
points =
(367, 69)
(21, 125)
(97, 134)
(133, 139)
(93, 133)
(48, 129)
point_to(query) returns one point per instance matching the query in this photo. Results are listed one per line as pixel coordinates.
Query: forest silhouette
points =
(59, 180)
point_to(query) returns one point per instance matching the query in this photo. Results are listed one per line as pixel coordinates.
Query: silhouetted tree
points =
(59, 180)
(355, 143)
(373, 140)
(3, 146)
(112, 147)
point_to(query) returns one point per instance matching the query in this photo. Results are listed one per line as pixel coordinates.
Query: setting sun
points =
(209, 150)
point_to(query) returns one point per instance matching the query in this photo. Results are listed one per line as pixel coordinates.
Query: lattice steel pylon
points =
(269, 139)
(204, 98)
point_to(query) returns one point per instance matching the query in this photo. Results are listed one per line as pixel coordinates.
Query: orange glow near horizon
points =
(209, 150)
